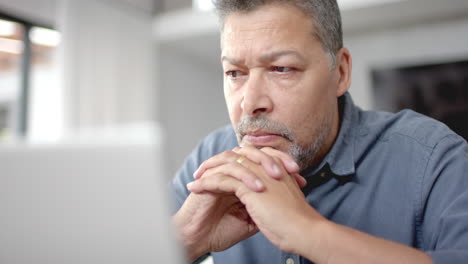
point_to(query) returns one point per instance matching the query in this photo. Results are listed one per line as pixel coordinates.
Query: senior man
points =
(303, 175)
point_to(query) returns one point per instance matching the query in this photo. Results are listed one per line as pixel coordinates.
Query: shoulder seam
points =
(420, 201)
(424, 144)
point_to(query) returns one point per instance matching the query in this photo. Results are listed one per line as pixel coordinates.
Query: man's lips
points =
(261, 138)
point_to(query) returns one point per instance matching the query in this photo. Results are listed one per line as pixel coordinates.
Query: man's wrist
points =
(194, 254)
(193, 247)
(312, 238)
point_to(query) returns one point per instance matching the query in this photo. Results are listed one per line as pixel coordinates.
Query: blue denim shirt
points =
(401, 177)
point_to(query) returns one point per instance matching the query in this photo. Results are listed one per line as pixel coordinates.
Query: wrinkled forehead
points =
(267, 26)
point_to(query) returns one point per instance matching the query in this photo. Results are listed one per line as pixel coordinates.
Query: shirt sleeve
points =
(218, 141)
(444, 218)
(177, 187)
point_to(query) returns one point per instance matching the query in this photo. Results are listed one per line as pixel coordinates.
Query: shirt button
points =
(289, 261)
(323, 174)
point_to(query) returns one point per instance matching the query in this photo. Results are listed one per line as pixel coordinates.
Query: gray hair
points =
(325, 16)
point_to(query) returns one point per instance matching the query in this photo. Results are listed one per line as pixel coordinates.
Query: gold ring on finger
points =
(240, 159)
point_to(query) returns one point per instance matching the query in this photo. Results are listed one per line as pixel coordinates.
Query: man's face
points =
(278, 86)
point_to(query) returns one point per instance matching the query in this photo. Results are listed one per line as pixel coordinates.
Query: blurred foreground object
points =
(94, 198)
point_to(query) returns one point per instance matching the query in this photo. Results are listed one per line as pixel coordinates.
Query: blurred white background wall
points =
(107, 62)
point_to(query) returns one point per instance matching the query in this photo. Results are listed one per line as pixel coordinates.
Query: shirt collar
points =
(340, 158)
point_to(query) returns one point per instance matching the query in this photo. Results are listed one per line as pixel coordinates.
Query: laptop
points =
(76, 203)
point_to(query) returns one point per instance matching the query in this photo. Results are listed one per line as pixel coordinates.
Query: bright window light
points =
(7, 28)
(45, 37)
(12, 46)
(202, 5)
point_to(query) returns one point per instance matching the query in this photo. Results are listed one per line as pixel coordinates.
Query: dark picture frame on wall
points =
(438, 90)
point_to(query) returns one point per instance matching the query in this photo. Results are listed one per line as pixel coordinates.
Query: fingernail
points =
(293, 165)
(189, 185)
(195, 173)
(259, 184)
(276, 170)
(304, 181)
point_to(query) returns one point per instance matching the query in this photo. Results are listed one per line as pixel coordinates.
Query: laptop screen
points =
(84, 203)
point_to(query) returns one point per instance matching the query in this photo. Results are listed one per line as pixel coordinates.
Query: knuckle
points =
(208, 172)
(268, 149)
(241, 192)
(229, 154)
(223, 182)
(202, 181)
(249, 150)
(246, 177)
(267, 159)
(211, 184)
(217, 188)
(274, 152)
(241, 172)
(248, 147)
(276, 159)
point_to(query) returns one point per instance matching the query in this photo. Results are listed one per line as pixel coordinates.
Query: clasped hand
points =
(238, 193)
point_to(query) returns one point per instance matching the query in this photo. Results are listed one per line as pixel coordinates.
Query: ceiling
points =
(45, 11)
(37, 11)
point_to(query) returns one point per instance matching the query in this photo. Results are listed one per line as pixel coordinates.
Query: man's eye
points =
(282, 69)
(234, 74)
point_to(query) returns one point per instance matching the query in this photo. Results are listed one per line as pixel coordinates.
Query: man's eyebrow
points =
(233, 61)
(267, 57)
(276, 54)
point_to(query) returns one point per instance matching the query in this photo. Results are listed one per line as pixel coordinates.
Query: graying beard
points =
(303, 155)
(306, 155)
(262, 123)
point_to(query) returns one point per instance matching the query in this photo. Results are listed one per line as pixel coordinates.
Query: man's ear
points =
(343, 70)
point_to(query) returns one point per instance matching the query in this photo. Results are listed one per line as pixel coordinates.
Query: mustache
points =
(263, 123)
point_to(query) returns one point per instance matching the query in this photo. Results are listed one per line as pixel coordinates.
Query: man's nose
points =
(256, 99)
